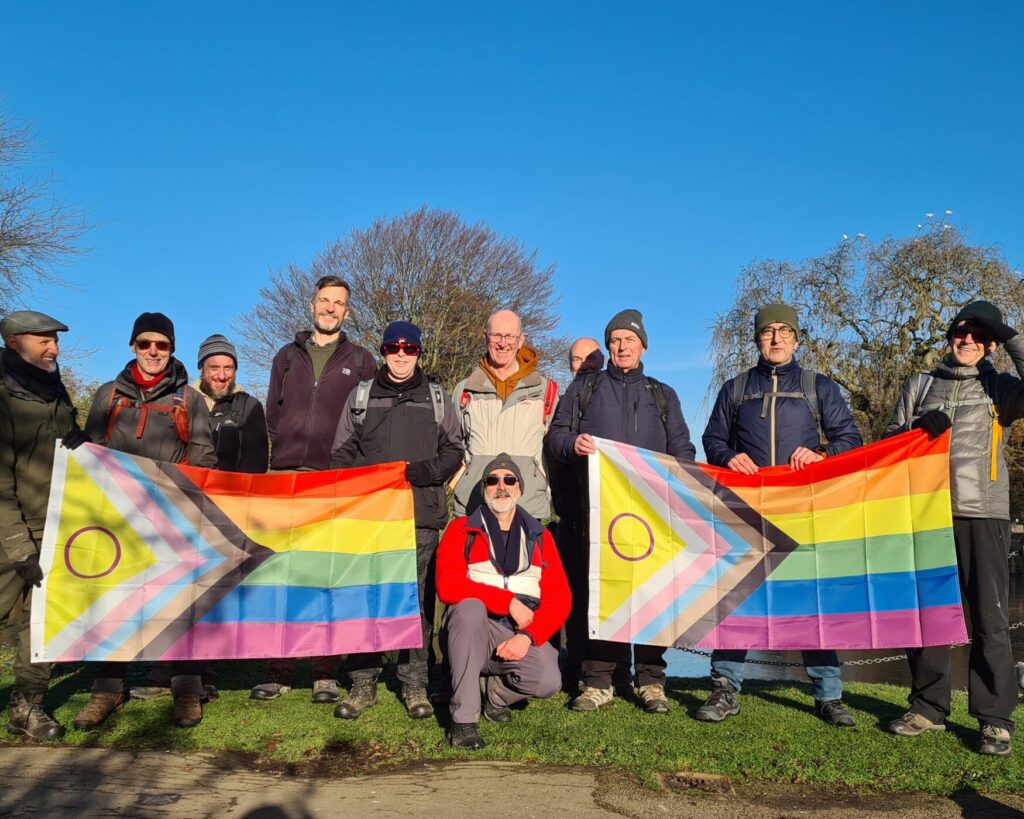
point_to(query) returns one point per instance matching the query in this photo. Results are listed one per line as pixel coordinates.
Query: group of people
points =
(514, 451)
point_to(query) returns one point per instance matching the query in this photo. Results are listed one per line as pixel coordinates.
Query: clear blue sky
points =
(651, 150)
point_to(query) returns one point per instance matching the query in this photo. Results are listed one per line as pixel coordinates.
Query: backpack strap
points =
(362, 400)
(809, 388)
(550, 397)
(658, 391)
(583, 396)
(808, 392)
(437, 399)
(178, 410)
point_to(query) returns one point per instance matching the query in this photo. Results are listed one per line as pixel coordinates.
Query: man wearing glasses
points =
(505, 405)
(150, 410)
(777, 413)
(965, 394)
(499, 573)
(400, 415)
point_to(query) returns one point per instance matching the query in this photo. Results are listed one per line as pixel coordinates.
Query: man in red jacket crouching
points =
(499, 574)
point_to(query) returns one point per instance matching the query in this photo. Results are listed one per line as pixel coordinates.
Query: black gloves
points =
(28, 570)
(418, 473)
(934, 422)
(75, 438)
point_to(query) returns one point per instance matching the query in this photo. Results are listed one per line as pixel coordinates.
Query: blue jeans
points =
(821, 666)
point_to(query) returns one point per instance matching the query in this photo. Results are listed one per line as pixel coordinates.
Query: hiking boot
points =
(653, 698)
(417, 705)
(723, 702)
(833, 713)
(211, 692)
(500, 714)
(100, 706)
(592, 699)
(361, 696)
(269, 691)
(912, 724)
(28, 719)
(993, 741)
(465, 736)
(325, 691)
(188, 710)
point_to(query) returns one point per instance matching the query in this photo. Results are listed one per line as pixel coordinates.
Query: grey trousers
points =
(471, 637)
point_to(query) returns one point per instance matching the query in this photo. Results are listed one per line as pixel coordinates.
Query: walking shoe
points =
(28, 719)
(465, 736)
(912, 724)
(325, 691)
(100, 706)
(653, 698)
(188, 710)
(500, 714)
(833, 712)
(361, 696)
(993, 741)
(269, 691)
(723, 702)
(593, 699)
(417, 705)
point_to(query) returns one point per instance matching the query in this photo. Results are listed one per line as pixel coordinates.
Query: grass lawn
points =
(775, 738)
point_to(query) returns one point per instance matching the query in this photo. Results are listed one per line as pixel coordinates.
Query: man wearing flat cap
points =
(35, 410)
(401, 415)
(624, 404)
(150, 410)
(967, 396)
(499, 573)
(777, 413)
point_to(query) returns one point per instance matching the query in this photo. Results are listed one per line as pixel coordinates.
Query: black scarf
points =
(384, 379)
(506, 547)
(37, 381)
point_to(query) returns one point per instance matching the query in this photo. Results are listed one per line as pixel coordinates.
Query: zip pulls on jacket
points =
(771, 416)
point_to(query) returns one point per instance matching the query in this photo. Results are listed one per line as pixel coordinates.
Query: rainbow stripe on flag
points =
(854, 552)
(152, 561)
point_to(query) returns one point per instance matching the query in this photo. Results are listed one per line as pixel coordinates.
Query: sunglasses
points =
(979, 335)
(494, 480)
(394, 347)
(144, 344)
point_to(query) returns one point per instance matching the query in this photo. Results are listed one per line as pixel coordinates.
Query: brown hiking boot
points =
(417, 705)
(361, 696)
(188, 710)
(100, 706)
(28, 719)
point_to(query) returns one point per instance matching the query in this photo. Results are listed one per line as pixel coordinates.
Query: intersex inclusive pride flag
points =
(853, 552)
(148, 560)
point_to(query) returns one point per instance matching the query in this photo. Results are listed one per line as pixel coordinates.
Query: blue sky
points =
(651, 150)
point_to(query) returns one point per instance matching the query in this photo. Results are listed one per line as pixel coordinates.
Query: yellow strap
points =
(997, 439)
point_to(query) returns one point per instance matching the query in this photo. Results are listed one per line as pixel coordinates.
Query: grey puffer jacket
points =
(981, 403)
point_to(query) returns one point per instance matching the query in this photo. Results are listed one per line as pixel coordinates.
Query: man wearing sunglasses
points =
(505, 405)
(400, 415)
(150, 410)
(499, 573)
(777, 413)
(966, 395)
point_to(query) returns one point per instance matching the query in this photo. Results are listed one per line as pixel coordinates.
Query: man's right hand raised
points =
(742, 463)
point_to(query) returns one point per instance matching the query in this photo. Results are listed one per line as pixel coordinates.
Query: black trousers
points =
(570, 539)
(982, 546)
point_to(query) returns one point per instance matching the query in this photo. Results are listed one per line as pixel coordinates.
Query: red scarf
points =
(146, 383)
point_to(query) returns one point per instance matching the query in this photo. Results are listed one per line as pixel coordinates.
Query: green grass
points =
(776, 737)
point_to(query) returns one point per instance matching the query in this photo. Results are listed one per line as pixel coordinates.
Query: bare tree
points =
(426, 266)
(872, 313)
(37, 230)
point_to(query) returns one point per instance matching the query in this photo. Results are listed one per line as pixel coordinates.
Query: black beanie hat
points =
(984, 312)
(626, 320)
(153, 323)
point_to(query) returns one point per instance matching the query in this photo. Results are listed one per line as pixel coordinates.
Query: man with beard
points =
(35, 410)
(237, 423)
(151, 411)
(402, 416)
(310, 380)
(505, 405)
(499, 573)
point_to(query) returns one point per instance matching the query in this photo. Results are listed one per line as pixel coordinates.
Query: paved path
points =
(95, 782)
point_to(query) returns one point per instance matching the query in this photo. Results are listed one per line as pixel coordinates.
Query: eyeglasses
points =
(785, 332)
(145, 343)
(499, 338)
(979, 335)
(393, 348)
(494, 480)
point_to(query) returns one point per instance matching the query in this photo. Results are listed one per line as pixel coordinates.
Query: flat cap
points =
(30, 321)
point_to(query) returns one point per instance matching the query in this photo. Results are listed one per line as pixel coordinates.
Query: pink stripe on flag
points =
(908, 628)
(228, 641)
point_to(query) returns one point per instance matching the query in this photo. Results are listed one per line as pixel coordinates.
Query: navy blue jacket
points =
(789, 420)
(621, 408)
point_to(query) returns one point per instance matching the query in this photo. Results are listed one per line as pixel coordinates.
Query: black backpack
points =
(586, 392)
(808, 392)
